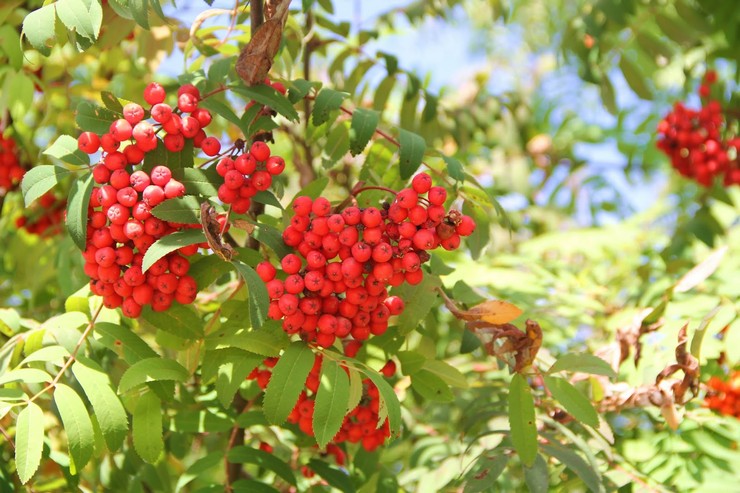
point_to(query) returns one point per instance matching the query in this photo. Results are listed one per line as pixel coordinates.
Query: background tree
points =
(582, 336)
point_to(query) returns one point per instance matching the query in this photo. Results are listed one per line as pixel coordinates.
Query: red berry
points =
(260, 151)
(154, 93)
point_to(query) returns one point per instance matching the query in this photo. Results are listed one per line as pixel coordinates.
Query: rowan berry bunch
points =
(11, 170)
(725, 395)
(45, 217)
(701, 143)
(121, 227)
(336, 286)
(246, 174)
(359, 426)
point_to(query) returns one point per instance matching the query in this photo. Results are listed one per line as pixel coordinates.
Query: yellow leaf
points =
(493, 312)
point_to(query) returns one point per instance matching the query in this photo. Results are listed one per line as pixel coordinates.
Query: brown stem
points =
(72, 356)
(257, 15)
(236, 438)
(357, 191)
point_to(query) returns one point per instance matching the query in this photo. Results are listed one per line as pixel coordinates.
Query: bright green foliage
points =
(624, 265)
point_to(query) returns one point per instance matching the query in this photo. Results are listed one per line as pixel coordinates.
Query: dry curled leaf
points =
(212, 231)
(492, 311)
(244, 225)
(255, 59)
(518, 348)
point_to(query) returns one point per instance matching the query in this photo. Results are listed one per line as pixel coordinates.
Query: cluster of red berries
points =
(121, 227)
(725, 395)
(120, 230)
(694, 140)
(131, 137)
(11, 171)
(359, 426)
(337, 284)
(45, 217)
(247, 174)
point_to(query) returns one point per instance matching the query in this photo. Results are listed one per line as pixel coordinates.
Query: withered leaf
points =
(255, 59)
(493, 312)
(212, 231)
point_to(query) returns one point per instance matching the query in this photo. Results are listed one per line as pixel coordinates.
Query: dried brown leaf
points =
(212, 231)
(493, 312)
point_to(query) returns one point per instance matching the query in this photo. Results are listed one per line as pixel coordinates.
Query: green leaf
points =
(207, 269)
(224, 111)
(267, 198)
(249, 455)
(39, 180)
(140, 12)
(536, 476)
(185, 210)
(198, 468)
(454, 168)
(38, 28)
(355, 389)
(411, 361)
(383, 92)
(107, 406)
(522, 420)
(364, 123)
(448, 373)
(147, 427)
(333, 476)
(331, 402)
(573, 401)
(233, 368)
(608, 95)
(65, 149)
(170, 243)
(259, 300)
(411, 152)
(178, 320)
(419, 302)
(389, 405)
(182, 159)
(25, 375)
(250, 486)
(584, 363)
(48, 354)
(76, 16)
(77, 425)
(122, 340)
(299, 88)
(111, 101)
(77, 208)
(287, 381)
(431, 387)
(269, 96)
(635, 78)
(264, 342)
(484, 473)
(575, 463)
(151, 370)
(29, 441)
(272, 239)
(328, 100)
(94, 118)
(219, 70)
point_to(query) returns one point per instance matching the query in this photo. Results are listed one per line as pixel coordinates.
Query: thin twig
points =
(72, 356)
(233, 437)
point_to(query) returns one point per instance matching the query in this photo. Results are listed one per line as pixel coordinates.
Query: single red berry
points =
(421, 183)
(260, 151)
(88, 142)
(154, 93)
